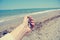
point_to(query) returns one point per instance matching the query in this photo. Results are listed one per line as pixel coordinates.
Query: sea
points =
(7, 14)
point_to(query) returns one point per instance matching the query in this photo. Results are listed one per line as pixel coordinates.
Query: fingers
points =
(31, 22)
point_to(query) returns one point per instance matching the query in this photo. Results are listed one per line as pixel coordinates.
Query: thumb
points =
(25, 21)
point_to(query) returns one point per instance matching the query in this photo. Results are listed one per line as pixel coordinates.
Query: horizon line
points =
(21, 8)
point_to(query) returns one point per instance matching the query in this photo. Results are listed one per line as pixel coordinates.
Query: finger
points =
(29, 16)
(25, 20)
(33, 24)
(32, 21)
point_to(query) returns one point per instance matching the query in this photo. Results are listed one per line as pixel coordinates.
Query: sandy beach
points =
(47, 25)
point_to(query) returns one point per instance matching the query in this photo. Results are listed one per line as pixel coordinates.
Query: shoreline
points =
(7, 18)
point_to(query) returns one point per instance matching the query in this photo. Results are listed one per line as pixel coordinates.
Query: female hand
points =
(29, 23)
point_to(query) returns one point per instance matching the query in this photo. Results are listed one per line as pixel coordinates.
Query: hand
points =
(30, 20)
(23, 28)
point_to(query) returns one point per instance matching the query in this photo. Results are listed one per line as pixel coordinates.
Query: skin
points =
(23, 28)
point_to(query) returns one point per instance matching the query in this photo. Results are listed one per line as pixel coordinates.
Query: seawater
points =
(6, 13)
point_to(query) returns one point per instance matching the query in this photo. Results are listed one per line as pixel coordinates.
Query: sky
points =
(24, 4)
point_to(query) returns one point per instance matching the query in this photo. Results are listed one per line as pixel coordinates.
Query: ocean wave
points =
(44, 11)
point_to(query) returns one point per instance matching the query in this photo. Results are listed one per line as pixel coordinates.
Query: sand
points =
(47, 26)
